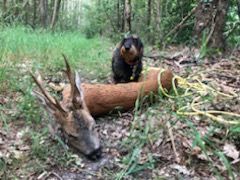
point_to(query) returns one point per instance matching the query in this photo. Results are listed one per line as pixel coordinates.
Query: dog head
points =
(131, 49)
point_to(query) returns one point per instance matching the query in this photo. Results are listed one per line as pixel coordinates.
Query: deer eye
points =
(79, 120)
(76, 103)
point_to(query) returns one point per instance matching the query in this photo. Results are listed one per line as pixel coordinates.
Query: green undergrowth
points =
(41, 49)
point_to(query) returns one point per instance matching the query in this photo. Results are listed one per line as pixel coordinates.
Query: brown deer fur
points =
(103, 98)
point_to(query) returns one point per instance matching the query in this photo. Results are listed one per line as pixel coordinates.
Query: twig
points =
(232, 30)
(90, 173)
(178, 26)
(55, 174)
(25, 3)
(110, 20)
(157, 56)
(172, 141)
(212, 28)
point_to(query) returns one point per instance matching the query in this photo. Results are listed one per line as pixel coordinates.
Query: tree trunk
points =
(238, 8)
(149, 12)
(16, 8)
(55, 12)
(127, 14)
(156, 13)
(26, 9)
(34, 13)
(44, 13)
(118, 15)
(4, 8)
(61, 11)
(210, 20)
(158, 18)
(123, 16)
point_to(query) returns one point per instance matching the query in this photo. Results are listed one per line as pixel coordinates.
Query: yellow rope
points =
(160, 85)
(214, 118)
(174, 80)
(202, 89)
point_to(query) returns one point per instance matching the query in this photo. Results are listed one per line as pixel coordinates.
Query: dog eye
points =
(135, 40)
(124, 39)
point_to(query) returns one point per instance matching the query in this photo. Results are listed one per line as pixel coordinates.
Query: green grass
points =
(43, 49)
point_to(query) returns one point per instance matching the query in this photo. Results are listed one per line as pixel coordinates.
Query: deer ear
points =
(77, 92)
(78, 84)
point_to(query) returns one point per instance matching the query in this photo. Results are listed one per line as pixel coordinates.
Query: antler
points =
(52, 102)
(75, 82)
(69, 74)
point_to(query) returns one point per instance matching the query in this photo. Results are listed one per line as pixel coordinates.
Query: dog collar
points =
(134, 67)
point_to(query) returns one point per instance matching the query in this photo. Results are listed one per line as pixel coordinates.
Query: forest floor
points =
(191, 135)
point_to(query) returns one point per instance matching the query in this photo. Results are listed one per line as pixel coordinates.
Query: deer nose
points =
(95, 155)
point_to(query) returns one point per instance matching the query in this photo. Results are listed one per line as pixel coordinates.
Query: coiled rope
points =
(192, 88)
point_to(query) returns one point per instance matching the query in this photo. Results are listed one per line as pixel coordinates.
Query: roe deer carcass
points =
(72, 115)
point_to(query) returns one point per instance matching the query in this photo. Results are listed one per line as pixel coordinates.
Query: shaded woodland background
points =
(158, 22)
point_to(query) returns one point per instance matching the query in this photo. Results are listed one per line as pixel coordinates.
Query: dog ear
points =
(141, 51)
(139, 42)
(122, 42)
(140, 45)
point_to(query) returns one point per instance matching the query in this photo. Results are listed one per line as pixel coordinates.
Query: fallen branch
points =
(157, 56)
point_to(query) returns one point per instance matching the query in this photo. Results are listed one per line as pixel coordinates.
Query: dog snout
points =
(127, 47)
(95, 155)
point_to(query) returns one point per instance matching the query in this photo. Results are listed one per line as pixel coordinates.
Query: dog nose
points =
(127, 47)
(95, 155)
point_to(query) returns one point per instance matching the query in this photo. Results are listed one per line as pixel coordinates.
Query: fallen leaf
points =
(180, 169)
(196, 150)
(56, 87)
(231, 151)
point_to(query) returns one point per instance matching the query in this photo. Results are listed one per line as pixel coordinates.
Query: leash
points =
(134, 72)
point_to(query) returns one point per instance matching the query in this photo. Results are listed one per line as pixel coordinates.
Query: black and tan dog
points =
(127, 60)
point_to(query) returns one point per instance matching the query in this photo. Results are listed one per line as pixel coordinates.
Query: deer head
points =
(73, 115)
